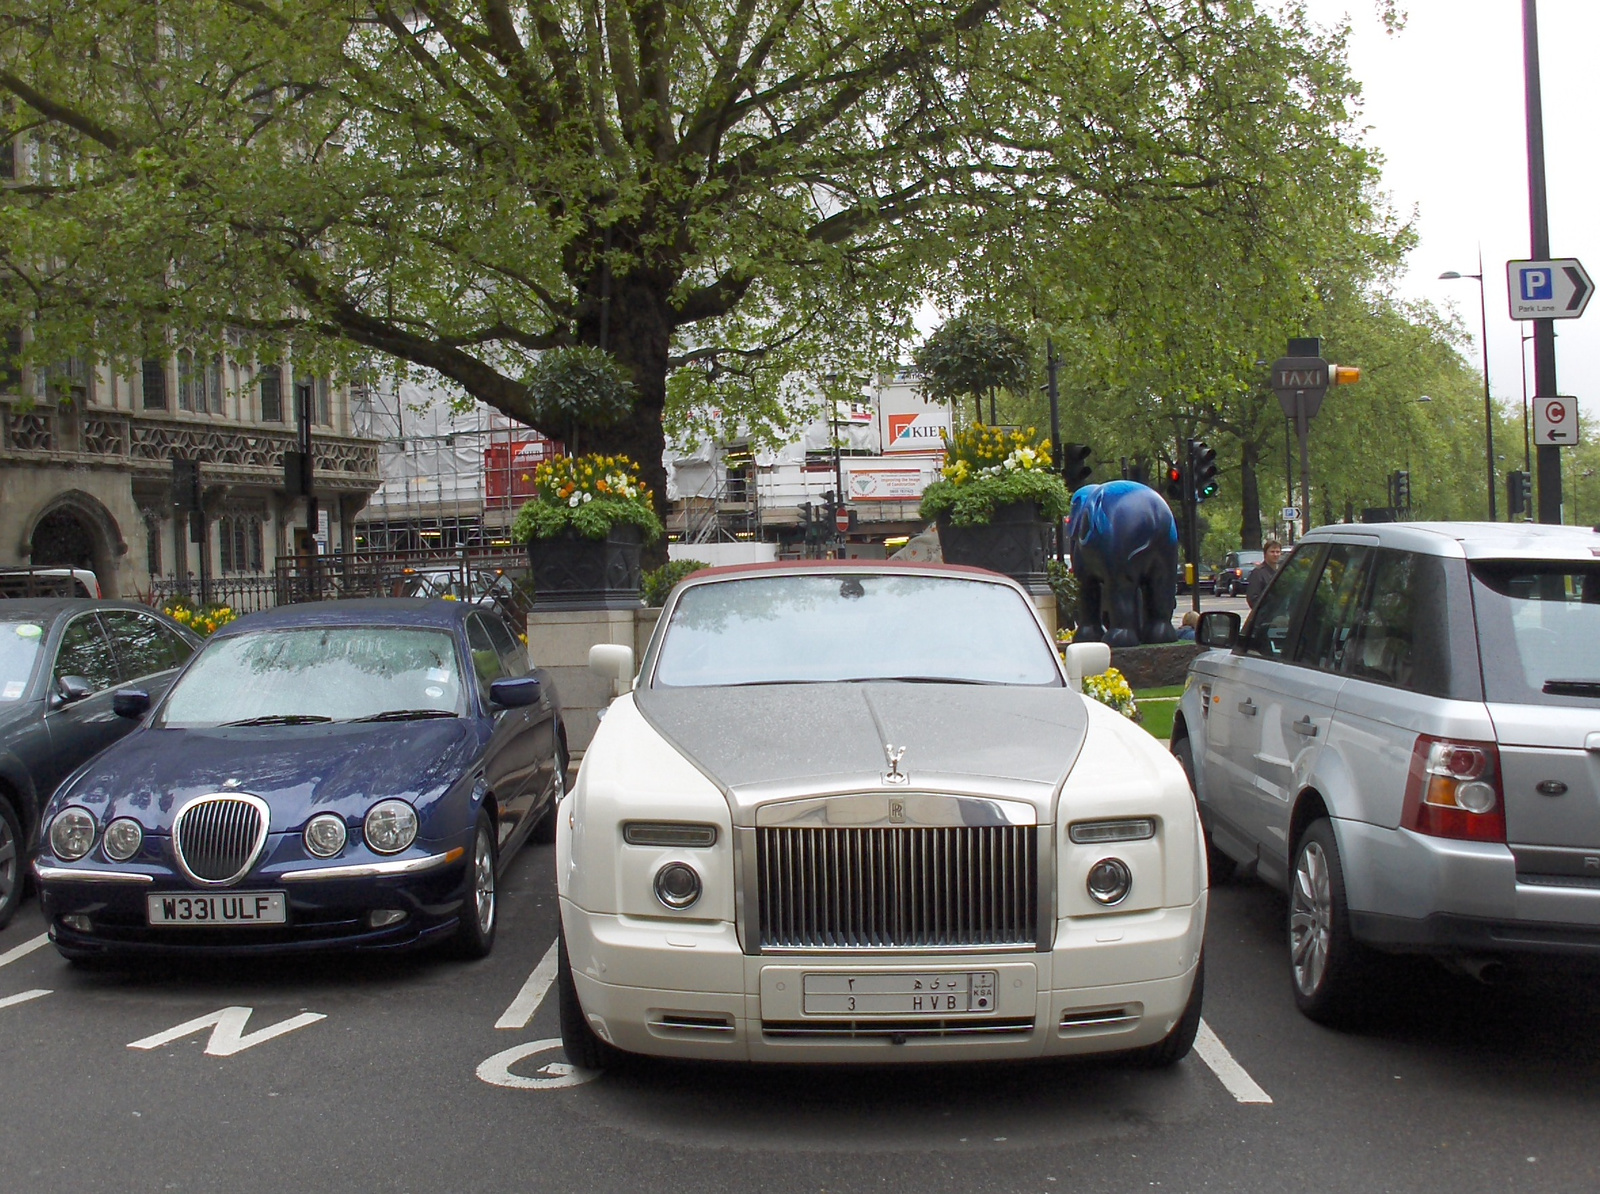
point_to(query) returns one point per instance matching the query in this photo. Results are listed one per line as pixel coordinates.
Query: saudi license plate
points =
(234, 908)
(929, 994)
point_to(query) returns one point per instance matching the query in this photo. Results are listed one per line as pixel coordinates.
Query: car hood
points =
(297, 770)
(767, 741)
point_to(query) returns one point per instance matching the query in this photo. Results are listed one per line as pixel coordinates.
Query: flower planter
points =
(1016, 543)
(572, 572)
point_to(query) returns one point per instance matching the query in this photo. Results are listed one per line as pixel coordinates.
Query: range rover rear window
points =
(1539, 631)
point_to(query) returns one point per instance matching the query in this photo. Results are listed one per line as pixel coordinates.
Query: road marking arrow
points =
(1579, 288)
(227, 1031)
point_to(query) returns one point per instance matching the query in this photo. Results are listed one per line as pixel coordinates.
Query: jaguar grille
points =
(217, 839)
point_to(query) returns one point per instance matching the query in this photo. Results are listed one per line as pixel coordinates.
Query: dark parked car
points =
(338, 775)
(1234, 576)
(60, 659)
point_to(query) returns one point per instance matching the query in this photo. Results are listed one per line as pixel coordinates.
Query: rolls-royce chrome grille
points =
(218, 838)
(904, 887)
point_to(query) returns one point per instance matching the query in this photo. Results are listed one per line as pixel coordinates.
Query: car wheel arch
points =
(18, 793)
(1309, 807)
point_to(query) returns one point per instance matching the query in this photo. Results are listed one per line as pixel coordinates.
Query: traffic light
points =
(186, 485)
(1519, 493)
(1175, 486)
(1203, 469)
(1075, 466)
(1402, 490)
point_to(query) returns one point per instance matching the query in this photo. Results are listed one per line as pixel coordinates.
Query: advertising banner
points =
(917, 431)
(877, 484)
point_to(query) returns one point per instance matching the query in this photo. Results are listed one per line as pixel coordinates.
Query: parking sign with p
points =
(1547, 289)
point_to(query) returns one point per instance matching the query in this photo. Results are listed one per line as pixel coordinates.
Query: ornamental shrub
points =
(587, 495)
(203, 620)
(986, 467)
(1111, 688)
(658, 583)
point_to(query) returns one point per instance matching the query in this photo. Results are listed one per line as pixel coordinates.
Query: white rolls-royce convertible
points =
(860, 813)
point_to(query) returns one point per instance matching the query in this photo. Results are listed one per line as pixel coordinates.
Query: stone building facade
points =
(86, 467)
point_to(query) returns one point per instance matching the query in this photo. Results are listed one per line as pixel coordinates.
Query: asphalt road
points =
(381, 1075)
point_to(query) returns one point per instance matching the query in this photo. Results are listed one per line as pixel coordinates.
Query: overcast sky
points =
(1443, 100)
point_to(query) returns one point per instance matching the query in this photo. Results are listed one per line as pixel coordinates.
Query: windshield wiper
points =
(279, 719)
(405, 715)
(1583, 688)
(917, 680)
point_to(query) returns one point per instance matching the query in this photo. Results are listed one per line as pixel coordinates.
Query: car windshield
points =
(322, 673)
(19, 653)
(1539, 631)
(853, 626)
(1249, 559)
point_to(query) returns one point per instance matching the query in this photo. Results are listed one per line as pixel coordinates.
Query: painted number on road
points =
(553, 1075)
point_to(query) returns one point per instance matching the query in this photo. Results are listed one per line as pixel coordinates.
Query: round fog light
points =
(72, 834)
(1475, 797)
(677, 885)
(391, 826)
(123, 839)
(325, 835)
(1110, 881)
(78, 924)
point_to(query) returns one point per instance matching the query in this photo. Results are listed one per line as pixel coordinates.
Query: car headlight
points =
(391, 826)
(123, 838)
(72, 834)
(1123, 829)
(677, 885)
(1109, 881)
(325, 834)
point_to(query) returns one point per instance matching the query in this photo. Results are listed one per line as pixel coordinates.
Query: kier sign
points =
(921, 432)
(1555, 421)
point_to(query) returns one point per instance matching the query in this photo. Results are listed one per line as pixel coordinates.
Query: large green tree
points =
(717, 194)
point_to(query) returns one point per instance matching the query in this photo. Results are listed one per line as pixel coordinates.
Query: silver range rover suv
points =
(1406, 737)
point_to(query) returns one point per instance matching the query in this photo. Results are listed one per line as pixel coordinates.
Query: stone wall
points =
(559, 642)
(1157, 665)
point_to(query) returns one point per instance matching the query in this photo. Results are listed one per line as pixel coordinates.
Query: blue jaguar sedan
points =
(342, 775)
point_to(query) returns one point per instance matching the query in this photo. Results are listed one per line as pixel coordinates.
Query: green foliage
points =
(658, 583)
(1064, 585)
(586, 495)
(592, 520)
(970, 357)
(973, 502)
(578, 386)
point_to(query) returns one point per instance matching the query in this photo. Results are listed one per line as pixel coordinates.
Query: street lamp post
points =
(1488, 403)
(1588, 472)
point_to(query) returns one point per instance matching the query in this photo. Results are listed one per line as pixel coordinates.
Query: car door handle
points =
(1305, 726)
(1247, 707)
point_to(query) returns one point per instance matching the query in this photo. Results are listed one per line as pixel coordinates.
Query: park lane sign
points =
(1302, 377)
(1557, 289)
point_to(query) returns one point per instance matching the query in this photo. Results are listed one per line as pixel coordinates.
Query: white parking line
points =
(1228, 1071)
(23, 950)
(533, 991)
(22, 997)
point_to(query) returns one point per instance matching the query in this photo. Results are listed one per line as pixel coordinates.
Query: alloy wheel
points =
(10, 863)
(483, 882)
(1310, 919)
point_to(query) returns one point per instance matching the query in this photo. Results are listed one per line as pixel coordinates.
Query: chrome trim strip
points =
(219, 834)
(857, 1029)
(746, 891)
(73, 875)
(367, 870)
(869, 810)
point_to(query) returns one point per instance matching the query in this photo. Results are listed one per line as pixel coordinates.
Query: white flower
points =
(574, 499)
(588, 497)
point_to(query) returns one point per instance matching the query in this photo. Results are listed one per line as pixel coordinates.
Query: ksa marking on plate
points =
(929, 994)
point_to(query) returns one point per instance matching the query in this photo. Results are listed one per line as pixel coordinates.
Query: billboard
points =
(916, 431)
(886, 484)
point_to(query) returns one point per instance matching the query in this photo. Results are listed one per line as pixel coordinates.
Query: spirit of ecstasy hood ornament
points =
(894, 754)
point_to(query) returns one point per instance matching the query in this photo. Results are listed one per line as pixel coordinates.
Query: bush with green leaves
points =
(987, 467)
(587, 495)
(658, 583)
(1063, 583)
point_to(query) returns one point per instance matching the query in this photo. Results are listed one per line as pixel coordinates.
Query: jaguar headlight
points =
(391, 826)
(325, 835)
(123, 838)
(72, 834)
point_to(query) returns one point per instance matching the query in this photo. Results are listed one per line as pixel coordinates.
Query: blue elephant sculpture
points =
(1124, 544)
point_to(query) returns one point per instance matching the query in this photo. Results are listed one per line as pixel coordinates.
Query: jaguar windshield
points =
(318, 674)
(812, 629)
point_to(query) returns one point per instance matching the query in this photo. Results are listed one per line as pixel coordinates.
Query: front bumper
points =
(1408, 892)
(685, 989)
(327, 907)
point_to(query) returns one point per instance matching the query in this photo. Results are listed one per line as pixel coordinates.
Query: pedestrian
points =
(1191, 624)
(1261, 575)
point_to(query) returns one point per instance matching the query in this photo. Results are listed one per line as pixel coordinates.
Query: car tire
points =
(480, 911)
(1219, 866)
(583, 1047)
(13, 861)
(1175, 1046)
(545, 831)
(1328, 967)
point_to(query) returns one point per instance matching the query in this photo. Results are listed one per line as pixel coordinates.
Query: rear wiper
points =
(279, 719)
(1583, 688)
(405, 715)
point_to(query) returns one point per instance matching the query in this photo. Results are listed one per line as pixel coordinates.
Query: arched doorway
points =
(75, 530)
(62, 539)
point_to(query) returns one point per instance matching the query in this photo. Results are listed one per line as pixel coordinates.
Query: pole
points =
(1527, 433)
(1488, 403)
(1303, 427)
(1052, 365)
(1288, 472)
(1544, 330)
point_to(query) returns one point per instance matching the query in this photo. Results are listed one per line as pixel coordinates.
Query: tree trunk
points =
(639, 335)
(1249, 497)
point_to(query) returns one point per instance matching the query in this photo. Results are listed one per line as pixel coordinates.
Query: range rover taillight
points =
(1453, 790)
